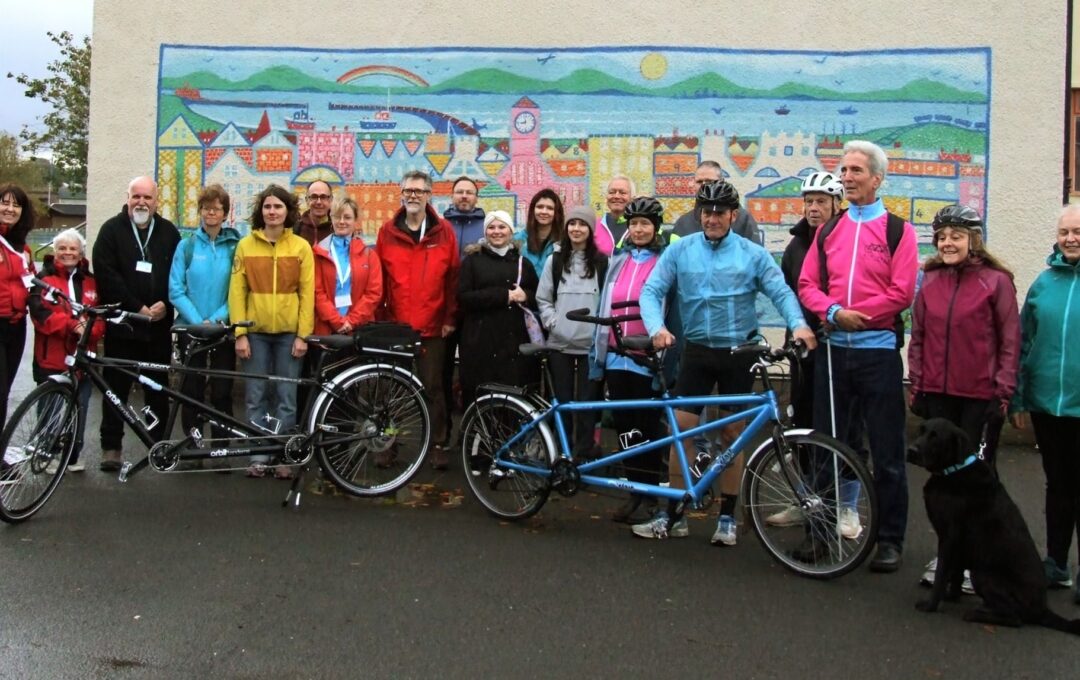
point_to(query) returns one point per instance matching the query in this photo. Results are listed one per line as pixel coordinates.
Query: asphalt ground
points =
(198, 575)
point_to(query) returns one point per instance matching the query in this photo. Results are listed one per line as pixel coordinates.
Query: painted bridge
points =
(439, 121)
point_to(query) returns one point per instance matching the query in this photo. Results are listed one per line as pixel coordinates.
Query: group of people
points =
(476, 286)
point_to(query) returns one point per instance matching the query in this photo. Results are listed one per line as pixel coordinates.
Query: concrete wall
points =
(1024, 159)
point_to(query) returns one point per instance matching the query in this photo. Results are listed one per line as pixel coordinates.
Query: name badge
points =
(28, 280)
(144, 267)
(343, 300)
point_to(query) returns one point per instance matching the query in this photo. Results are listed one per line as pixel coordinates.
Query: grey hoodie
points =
(575, 292)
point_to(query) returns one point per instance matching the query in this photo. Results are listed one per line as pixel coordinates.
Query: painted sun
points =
(653, 66)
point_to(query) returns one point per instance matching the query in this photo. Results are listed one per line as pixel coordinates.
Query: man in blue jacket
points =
(468, 222)
(717, 275)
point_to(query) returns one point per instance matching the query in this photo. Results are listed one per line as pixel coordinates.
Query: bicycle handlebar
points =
(110, 312)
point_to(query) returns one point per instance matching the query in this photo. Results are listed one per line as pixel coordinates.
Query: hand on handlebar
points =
(805, 336)
(663, 339)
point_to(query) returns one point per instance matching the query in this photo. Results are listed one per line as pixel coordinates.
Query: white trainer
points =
(850, 527)
(790, 516)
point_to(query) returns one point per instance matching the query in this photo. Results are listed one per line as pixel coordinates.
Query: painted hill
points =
(581, 81)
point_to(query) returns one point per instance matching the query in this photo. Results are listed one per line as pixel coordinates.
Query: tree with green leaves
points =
(67, 127)
(22, 171)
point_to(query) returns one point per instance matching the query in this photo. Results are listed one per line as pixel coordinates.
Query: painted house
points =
(180, 173)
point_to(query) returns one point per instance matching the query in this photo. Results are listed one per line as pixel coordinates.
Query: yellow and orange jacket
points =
(273, 284)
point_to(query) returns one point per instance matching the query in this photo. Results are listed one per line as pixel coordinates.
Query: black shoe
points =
(887, 559)
(811, 551)
(635, 510)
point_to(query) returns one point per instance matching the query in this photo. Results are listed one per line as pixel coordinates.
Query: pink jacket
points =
(862, 275)
(965, 333)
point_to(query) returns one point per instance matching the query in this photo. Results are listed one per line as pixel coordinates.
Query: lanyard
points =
(22, 256)
(71, 290)
(149, 235)
(343, 273)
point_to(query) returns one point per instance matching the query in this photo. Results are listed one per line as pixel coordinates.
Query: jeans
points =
(869, 383)
(570, 382)
(271, 354)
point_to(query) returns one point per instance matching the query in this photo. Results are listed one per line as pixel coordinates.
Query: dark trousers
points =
(1059, 443)
(450, 347)
(872, 379)
(12, 342)
(222, 357)
(637, 425)
(570, 382)
(970, 416)
(429, 368)
(157, 349)
(802, 389)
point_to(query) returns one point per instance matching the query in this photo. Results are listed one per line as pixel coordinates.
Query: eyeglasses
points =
(318, 197)
(213, 208)
(415, 192)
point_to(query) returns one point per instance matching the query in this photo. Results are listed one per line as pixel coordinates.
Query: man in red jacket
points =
(419, 254)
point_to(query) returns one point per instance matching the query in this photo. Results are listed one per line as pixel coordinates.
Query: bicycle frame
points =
(763, 408)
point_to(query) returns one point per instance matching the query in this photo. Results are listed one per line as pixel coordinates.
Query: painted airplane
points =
(545, 60)
(478, 126)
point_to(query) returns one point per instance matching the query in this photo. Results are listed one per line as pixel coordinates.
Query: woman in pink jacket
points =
(965, 337)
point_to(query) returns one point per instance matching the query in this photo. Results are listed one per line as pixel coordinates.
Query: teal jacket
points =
(521, 238)
(199, 278)
(717, 285)
(1050, 349)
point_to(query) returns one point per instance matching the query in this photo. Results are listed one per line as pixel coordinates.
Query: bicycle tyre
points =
(814, 545)
(490, 422)
(42, 429)
(373, 433)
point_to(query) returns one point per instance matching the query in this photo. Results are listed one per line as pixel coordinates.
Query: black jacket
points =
(115, 255)
(792, 261)
(492, 328)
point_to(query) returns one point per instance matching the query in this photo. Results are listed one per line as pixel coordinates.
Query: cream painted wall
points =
(1026, 107)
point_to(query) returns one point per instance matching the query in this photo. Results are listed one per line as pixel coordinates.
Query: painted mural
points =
(517, 120)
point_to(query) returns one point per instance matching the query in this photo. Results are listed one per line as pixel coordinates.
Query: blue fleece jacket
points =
(199, 278)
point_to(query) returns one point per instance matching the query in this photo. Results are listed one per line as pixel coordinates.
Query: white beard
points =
(141, 216)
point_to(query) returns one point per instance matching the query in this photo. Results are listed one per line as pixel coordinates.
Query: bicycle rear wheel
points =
(833, 529)
(489, 423)
(41, 431)
(373, 433)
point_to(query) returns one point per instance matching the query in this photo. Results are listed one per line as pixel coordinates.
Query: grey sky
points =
(26, 49)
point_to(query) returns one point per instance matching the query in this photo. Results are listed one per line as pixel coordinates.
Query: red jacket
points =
(13, 292)
(367, 288)
(420, 278)
(965, 335)
(54, 326)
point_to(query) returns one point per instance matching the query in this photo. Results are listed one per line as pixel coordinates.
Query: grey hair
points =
(1066, 210)
(71, 235)
(879, 162)
(139, 179)
(633, 189)
(417, 174)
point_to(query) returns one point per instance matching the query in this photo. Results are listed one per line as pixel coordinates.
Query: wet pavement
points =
(206, 575)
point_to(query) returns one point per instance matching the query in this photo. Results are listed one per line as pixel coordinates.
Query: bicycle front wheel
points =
(825, 523)
(372, 434)
(489, 423)
(40, 432)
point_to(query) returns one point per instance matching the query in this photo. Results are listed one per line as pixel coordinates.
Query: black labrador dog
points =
(979, 528)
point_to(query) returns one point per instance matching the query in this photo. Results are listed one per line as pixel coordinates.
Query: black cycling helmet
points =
(645, 206)
(718, 194)
(957, 216)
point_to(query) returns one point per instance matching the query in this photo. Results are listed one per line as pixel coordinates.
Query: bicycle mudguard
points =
(61, 378)
(767, 444)
(348, 373)
(524, 402)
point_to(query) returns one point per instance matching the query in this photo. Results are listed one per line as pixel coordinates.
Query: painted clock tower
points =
(526, 172)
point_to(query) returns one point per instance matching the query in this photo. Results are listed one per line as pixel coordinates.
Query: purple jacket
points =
(965, 335)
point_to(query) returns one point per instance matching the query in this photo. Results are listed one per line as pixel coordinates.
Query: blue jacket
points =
(717, 285)
(199, 277)
(468, 227)
(521, 238)
(1050, 348)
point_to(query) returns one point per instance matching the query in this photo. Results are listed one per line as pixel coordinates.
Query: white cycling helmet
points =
(823, 183)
